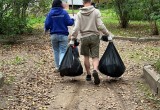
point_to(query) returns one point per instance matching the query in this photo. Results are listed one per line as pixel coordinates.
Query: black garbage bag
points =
(104, 38)
(111, 63)
(75, 52)
(75, 49)
(71, 65)
(76, 42)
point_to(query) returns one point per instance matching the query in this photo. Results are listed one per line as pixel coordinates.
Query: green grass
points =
(17, 61)
(6, 46)
(135, 29)
(149, 96)
(141, 54)
(157, 65)
(9, 80)
(104, 13)
(108, 13)
(36, 22)
(110, 19)
(70, 11)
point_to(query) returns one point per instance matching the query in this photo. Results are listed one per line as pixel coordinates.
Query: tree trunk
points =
(154, 28)
(124, 23)
(153, 23)
(123, 15)
(1, 16)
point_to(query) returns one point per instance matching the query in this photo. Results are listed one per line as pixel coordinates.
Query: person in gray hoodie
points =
(89, 23)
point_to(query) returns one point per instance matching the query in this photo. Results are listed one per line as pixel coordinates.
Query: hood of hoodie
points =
(56, 11)
(87, 10)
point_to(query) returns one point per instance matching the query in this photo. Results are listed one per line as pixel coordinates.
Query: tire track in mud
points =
(96, 98)
(119, 95)
(81, 95)
(124, 92)
(65, 93)
(78, 87)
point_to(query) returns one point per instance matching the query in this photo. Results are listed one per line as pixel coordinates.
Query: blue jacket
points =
(57, 21)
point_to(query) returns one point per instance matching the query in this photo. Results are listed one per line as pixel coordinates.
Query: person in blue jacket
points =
(57, 21)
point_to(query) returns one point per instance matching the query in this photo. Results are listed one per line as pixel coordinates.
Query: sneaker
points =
(88, 78)
(96, 77)
(61, 74)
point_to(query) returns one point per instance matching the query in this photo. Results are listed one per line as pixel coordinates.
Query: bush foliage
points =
(14, 14)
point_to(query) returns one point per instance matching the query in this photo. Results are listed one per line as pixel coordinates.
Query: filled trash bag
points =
(75, 49)
(71, 65)
(75, 52)
(111, 63)
(104, 38)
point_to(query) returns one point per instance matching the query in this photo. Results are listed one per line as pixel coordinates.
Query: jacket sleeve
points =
(76, 28)
(100, 25)
(69, 21)
(47, 23)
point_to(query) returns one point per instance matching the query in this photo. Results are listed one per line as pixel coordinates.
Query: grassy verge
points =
(149, 97)
(141, 54)
(157, 65)
(36, 22)
(70, 11)
(135, 29)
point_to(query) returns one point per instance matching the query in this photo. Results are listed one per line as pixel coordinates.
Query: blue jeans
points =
(59, 45)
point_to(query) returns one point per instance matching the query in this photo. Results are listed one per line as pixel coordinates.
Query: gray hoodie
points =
(89, 22)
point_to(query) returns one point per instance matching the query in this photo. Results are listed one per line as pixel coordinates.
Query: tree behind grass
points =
(127, 10)
(123, 8)
(152, 11)
(14, 15)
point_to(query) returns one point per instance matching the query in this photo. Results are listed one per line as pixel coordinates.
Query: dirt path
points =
(31, 83)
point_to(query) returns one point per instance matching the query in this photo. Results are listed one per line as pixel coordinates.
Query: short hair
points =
(93, 4)
(87, 1)
(57, 3)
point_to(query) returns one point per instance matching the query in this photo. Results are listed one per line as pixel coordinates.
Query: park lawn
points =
(36, 22)
(70, 11)
(110, 19)
(135, 28)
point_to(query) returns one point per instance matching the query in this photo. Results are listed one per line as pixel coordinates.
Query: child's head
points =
(93, 4)
(64, 3)
(57, 3)
(87, 1)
